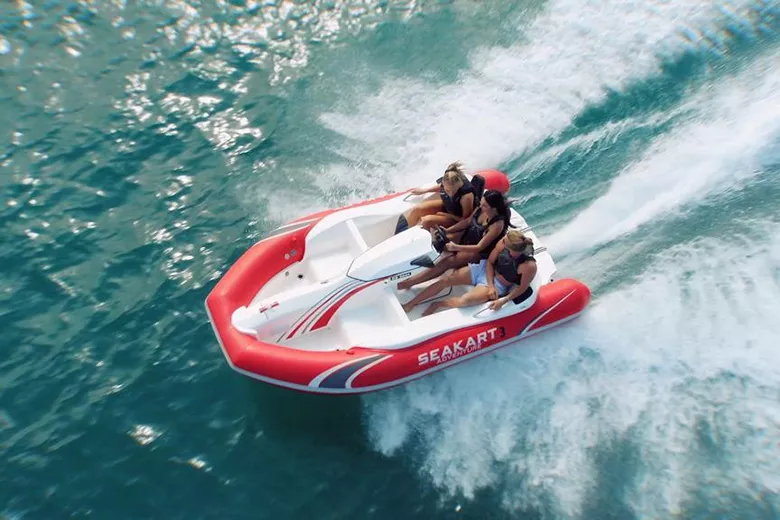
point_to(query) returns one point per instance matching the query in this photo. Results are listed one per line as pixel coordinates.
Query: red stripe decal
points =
(316, 308)
(325, 318)
(292, 333)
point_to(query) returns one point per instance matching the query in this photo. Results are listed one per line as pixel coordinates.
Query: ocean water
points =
(145, 145)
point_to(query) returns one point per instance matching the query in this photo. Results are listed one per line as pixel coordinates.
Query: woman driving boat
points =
(478, 236)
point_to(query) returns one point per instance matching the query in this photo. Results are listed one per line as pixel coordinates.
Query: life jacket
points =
(506, 266)
(452, 204)
(476, 231)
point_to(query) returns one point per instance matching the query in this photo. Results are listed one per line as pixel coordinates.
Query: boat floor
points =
(370, 320)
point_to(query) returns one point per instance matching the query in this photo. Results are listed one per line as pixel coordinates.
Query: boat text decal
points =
(399, 276)
(461, 347)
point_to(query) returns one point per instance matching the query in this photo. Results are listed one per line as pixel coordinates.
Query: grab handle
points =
(486, 308)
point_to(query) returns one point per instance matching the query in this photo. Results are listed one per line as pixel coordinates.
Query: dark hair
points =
(496, 200)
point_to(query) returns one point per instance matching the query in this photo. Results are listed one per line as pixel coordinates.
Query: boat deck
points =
(373, 317)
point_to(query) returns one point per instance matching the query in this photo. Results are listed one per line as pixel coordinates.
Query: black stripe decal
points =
(338, 379)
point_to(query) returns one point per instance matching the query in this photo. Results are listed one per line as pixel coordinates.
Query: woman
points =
(478, 236)
(505, 275)
(455, 202)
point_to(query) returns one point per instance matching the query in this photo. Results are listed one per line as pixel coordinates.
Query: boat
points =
(314, 306)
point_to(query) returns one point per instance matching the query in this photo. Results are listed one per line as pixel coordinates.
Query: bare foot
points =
(407, 307)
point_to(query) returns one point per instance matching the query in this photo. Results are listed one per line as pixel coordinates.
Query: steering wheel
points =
(440, 239)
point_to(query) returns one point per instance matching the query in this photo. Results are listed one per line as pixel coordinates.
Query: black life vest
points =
(507, 266)
(452, 204)
(476, 231)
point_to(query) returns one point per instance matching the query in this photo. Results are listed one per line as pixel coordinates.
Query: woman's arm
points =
(527, 271)
(492, 233)
(467, 205)
(491, 263)
(422, 191)
(461, 225)
(490, 270)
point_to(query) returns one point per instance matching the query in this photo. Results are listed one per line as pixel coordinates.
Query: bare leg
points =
(477, 295)
(427, 207)
(461, 276)
(443, 265)
(431, 221)
(448, 262)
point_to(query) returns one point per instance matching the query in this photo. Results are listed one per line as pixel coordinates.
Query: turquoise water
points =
(145, 145)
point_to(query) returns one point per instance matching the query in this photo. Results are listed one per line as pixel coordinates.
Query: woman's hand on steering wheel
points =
(439, 239)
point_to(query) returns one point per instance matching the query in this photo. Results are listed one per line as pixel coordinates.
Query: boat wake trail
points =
(664, 396)
(511, 99)
(719, 148)
(661, 400)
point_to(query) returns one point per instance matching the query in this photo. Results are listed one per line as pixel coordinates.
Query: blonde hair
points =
(456, 167)
(454, 175)
(517, 241)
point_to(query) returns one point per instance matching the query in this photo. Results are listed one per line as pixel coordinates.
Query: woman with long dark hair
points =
(478, 236)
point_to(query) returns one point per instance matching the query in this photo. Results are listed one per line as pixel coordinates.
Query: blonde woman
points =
(454, 203)
(505, 276)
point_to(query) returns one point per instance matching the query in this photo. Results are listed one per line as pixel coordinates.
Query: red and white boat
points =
(314, 306)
